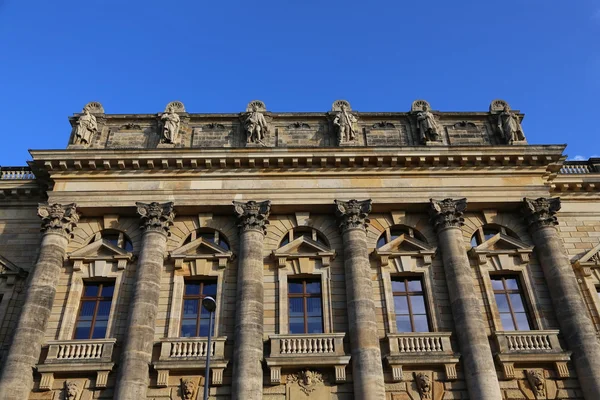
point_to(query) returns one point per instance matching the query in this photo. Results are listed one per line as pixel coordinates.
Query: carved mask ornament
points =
(423, 382)
(188, 387)
(307, 380)
(71, 390)
(537, 383)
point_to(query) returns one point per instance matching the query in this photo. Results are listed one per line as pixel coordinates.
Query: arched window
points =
(305, 231)
(397, 230)
(488, 231)
(210, 235)
(114, 237)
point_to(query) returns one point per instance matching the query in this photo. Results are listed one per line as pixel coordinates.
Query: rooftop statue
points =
(510, 126)
(171, 123)
(429, 130)
(84, 128)
(255, 124)
(344, 122)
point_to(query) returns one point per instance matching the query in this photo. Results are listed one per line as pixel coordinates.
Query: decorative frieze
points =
(447, 213)
(58, 218)
(540, 212)
(155, 216)
(353, 214)
(253, 215)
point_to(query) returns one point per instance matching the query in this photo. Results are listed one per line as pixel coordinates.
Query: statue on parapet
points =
(344, 122)
(255, 124)
(171, 123)
(427, 125)
(509, 126)
(85, 127)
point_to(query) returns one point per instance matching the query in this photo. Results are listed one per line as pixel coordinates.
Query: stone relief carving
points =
(298, 125)
(344, 122)
(85, 127)
(427, 125)
(423, 382)
(58, 218)
(171, 122)
(253, 215)
(447, 213)
(540, 212)
(71, 390)
(537, 383)
(384, 125)
(508, 124)
(255, 124)
(155, 216)
(308, 381)
(497, 105)
(131, 127)
(214, 125)
(353, 214)
(188, 388)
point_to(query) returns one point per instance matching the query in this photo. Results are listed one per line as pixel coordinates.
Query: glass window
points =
(115, 238)
(409, 305)
(489, 231)
(209, 235)
(305, 306)
(511, 303)
(195, 318)
(398, 230)
(94, 310)
(306, 232)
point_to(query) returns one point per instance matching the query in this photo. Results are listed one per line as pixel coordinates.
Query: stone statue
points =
(429, 130)
(71, 390)
(171, 123)
(188, 387)
(536, 381)
(255, 124)
(344, 123)
(423, 382)
(84, 128)
(509, 126)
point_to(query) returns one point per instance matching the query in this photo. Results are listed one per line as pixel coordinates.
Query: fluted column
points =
(367, 368)
(248, 345)
(16, 380)
(477, 359)
(573, 317)
(133, 378)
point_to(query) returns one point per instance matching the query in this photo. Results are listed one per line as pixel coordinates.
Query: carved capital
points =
(352, 214)
(57, 218)
(447, 213)
(540, 212)
(253, 215)
(155, 216)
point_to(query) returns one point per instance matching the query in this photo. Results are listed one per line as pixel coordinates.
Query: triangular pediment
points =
(8, 268)
(199, 247)
(501, 242)
(590, 260)
(100, 249)
(303, 245)
(405, 244)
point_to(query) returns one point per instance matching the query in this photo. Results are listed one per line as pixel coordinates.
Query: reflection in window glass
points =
(409, 305)
(94, 310)
(195, 318)
(305, 306)
(510, 303)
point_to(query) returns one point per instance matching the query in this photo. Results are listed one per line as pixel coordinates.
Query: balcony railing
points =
(530, 346)
(581, 167)
(16, 173)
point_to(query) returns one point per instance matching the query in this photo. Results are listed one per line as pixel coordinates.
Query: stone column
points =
(367, 368)
(248, 339)
(571, 312)
(133, 379)
(16, 380)
(477, 359)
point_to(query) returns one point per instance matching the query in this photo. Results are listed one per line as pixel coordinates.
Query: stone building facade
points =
(352, 255)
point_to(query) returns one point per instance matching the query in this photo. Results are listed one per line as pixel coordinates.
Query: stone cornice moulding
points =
(285, 253)
(89, 254)
(391, 250)
(214, 252)
(514, 246)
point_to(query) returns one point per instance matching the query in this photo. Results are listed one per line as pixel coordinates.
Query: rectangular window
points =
(195, 318)
(305, 306)
(94, 309)
(409, 305)
(511, 303)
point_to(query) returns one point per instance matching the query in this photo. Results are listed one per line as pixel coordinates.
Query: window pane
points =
(313, 305)
(497, 284)
(517, 303)
(295, 287)
(502, 302)
(91, 290)
(99, 329)
(103, 310)
(128, 245)
(403, 323)
(107, 290)
(398, 286)
(415, 286)
(313, 287)
(507, 322)
(82, 330)
(111, 238)
(400, 305)
(223, 244)
(522, 322)
(86, 313)
(474, 241)
(381, 241)
(204, 327)
(192, 288)
(418, 304)
(421, 324)
(188, 328)
(296, 307)
(210, 289)
(190, 308)
(512, 284)
(489, 233)
(315, 325)
(297, 325)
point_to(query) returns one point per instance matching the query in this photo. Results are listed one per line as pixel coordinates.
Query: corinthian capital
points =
(155, 216)
(447, 213)
(253, 215)
(352, 214)
(540, 212)
(57, 218)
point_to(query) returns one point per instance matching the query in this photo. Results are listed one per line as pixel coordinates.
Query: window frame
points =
(315, 235)
(405, 229)
(507, 292)
(97, 299)
(405, 279)
(218, 237)
(478, 236)
(198, 297)
(305, 296)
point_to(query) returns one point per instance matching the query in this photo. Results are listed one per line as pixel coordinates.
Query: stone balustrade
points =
(421, 348)
(590, 166)
(530, 346)
(190, 353)
(93, 355)
(16, 173)
(304, 350)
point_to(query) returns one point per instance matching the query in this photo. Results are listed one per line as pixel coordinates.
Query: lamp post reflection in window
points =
(209, 305)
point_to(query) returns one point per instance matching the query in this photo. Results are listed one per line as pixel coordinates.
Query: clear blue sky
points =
(542, 56)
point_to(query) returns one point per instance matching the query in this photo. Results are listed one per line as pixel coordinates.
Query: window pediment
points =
(303, 247)
(404, 245)
(590, 260)
(201, 249)
(10, 271)
(501, 244)
(100, 250)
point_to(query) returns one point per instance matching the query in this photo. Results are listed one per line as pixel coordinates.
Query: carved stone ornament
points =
(255, 124)
(57, 218)
(540, 212)
(352, 214)
(253, 215)
(307, 380)
(71, 390)
(155, 216)
(497, 105)
(344, 122)
(418, 105)
(86, 125)
(188, 388)
(429, 129)
(171, 122)
(423, 382)
(447, 213)
(509, 126)
(537, 383)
